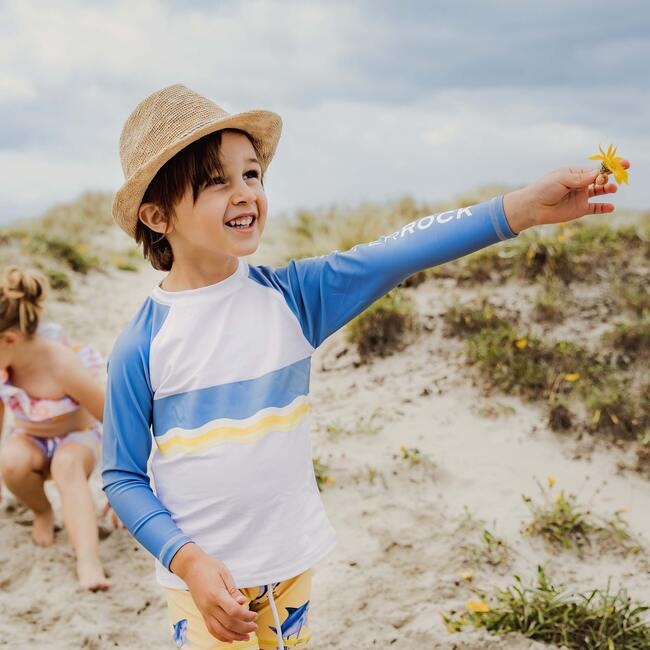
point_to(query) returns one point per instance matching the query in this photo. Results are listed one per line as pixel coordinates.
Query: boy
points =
(216, 363)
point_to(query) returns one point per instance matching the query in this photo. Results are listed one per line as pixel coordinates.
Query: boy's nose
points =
(243, 194)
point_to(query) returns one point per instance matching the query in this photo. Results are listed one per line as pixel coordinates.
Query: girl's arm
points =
(126, 444)
(78, 383)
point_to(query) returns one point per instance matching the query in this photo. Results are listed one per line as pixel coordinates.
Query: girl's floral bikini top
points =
(34, 409)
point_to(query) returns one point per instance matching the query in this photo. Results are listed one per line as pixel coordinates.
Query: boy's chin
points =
(244, 249)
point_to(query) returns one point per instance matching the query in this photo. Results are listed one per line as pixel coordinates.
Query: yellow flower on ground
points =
(551, 481)
(478, 606)
(610, 163)
(572, 376)
(521, 343)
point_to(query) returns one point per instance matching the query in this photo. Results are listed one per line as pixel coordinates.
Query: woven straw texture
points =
(166, 122)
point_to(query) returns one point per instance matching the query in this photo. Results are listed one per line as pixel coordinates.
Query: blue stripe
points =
(237, 400)
(499, 221)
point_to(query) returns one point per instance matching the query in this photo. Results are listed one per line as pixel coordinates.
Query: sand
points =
(399, 558)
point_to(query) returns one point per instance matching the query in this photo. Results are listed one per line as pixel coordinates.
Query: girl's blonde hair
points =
(22, 293)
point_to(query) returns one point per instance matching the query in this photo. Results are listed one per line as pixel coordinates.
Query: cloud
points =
(378, 99)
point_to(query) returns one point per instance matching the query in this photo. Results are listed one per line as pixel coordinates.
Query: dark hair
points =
(193, 167)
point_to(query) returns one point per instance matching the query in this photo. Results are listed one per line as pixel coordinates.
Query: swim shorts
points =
(91, 438)
(290, 599)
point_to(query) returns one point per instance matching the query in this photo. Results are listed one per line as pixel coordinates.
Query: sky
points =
(378, 98)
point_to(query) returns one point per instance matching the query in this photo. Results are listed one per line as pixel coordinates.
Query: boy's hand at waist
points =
(214, 592)
(562, 195)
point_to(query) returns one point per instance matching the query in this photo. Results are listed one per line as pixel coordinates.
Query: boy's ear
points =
(152, 216)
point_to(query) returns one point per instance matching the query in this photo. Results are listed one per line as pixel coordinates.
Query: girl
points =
(57, 406)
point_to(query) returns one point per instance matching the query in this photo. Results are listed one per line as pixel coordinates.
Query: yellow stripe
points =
(231, 434)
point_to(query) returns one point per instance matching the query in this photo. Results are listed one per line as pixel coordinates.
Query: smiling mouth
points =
(242, 223)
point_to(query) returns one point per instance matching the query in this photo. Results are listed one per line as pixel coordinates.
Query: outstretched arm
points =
(327, 292)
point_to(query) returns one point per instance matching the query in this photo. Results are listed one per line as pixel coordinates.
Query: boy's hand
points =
(214, 592)
(562, 195)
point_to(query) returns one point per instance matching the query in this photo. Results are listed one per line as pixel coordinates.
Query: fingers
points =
(574, 178)
(237, 611)
(600, 208)
(234, 623)
(598, 190)
(221, 632)
(237, 596)
(230, 621)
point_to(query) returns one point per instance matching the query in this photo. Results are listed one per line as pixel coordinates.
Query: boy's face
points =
(206, 224)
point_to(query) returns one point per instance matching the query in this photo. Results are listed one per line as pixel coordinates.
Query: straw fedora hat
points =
(166, 122)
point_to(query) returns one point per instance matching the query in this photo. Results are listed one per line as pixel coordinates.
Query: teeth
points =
(243, 221)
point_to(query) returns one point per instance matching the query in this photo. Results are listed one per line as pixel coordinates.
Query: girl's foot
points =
(91, 575)
(43, 528)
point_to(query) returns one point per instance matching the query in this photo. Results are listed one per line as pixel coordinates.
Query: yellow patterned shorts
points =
(289, 599)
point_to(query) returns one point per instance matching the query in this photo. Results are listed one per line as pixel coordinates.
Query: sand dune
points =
(400, 527)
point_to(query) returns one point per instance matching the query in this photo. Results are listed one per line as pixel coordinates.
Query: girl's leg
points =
(24, 467)
(71, 466)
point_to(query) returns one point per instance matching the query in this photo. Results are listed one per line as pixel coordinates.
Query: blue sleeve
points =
(327, 292)
(126, 447)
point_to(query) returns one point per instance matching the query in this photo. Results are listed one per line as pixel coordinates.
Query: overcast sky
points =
(379, 98)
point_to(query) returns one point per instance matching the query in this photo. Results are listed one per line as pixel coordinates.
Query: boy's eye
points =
(219, 180)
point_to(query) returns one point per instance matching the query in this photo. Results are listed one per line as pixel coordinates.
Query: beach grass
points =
(599, 619)
(379, 330)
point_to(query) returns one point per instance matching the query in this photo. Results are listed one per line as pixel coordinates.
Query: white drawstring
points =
(276, 618)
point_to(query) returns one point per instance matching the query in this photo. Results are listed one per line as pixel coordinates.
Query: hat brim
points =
(263, 126)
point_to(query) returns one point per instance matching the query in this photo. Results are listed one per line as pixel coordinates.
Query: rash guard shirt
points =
(217, 378)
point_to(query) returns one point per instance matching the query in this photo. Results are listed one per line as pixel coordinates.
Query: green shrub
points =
(517, 362)
(632, 293)
(594, 620)
(490, 549)
(59, 280)
(613, 410)
(562, 523)
(380, 329)
(550, 306)
(73, 255)
(321, 472)
(631, 338)
(472, 318)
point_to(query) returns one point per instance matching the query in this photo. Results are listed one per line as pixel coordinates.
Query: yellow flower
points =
(611, 164)
(478, 606)
(572, 376)
(521, 343)
(551, 481)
